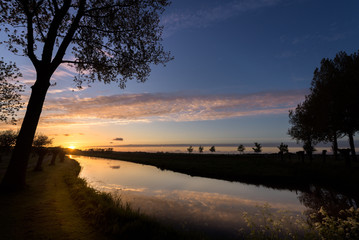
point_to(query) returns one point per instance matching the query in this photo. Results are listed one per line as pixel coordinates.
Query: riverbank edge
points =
(259, 169)
(115, 218)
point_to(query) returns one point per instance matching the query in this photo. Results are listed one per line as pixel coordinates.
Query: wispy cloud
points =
(148, 107)
(203, 17)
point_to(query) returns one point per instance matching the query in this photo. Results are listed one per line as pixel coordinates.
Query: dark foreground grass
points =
(44, 210)
(262, 169)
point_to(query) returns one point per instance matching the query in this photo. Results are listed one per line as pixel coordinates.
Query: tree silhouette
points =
(200, 149)
(55, 151)
(212, 149)
(345, 88)
(110, 41)
(241, 148)
(330, 111)
(283, 149)
(7, 141)
(302, 129)
(323, 94)
(39, 144)
(10, 98)
(257, 147)
(190, 149)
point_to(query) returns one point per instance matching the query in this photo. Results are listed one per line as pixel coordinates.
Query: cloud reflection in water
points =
(192, 201)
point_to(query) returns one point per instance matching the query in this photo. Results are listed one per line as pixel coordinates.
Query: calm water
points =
(209, 204)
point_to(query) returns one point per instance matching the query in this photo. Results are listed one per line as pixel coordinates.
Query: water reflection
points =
(210, 204)
(332, 202)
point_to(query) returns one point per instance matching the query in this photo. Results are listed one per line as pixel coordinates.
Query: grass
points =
(260, 169)
(44, 210)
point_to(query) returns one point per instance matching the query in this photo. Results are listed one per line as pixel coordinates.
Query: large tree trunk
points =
(15, 175)
(352, 147)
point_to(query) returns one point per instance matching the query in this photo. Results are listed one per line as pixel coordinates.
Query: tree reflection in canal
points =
(332, 202)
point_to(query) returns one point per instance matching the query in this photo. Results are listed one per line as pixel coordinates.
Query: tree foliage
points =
(241, 148)
(39, 144)
(7, 139)
(283, 148)
(190, 149)
(303, 123)
(112, 40)
(330, 110)
(41, 140)
(200, 149)
(10, 91)
(257, 147)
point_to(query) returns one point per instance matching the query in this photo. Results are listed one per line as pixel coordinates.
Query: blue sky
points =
(239, 67)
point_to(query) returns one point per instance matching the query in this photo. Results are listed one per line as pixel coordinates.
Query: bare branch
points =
(108, 7)
(40, 28)
(75, 62)
(108, 31)
(30, 33)
(52, 33)
(70, 33)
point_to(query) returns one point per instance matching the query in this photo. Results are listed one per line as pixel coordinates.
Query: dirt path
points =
(44, 210)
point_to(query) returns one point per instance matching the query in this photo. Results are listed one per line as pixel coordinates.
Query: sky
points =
(239, 66)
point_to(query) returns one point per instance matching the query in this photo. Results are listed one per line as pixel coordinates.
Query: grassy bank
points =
(265, 169)
(59, 205)
(44, 210)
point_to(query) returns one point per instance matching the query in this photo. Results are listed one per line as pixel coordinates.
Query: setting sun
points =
(71, 147)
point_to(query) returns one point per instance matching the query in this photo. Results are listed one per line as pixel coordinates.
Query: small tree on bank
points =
(39, 145)
(241, 148)
(212, 149)
(200, 149)
(190, 149)
(7, 141)
(257, 148)
(55, 151)
(283, 149)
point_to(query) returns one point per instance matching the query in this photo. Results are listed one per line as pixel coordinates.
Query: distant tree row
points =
(283, 148)
(100, 150)
(39, 147)
(330, 110)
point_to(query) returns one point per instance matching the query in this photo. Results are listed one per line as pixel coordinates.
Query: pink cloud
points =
(149, 107)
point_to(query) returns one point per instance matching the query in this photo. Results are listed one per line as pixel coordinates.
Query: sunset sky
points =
(238, 67)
